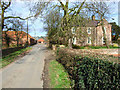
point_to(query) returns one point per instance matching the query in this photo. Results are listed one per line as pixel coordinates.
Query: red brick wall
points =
(13, 38)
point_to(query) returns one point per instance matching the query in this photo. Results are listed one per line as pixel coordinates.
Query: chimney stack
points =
(93, 17)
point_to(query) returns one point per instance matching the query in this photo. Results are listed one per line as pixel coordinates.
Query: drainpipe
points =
(96, 36)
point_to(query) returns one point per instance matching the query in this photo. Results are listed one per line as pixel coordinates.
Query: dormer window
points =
(89, 30)
(73, 30)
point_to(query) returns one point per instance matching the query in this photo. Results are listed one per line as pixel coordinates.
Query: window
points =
(103, 40)
(89, 30)
(105, 29)
(89, 40)
(73, 30)
(74, 40)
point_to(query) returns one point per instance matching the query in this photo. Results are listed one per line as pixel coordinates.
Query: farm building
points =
(15, 38)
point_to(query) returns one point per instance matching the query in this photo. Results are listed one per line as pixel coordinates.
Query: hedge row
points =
(89, 72)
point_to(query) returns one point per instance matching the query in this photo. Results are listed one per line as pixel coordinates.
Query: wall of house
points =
(82, 36)
(100, 34)
(96, 35)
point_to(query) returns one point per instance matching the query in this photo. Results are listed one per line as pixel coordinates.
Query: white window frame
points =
(89, 38)
(74, 40)
(89, 30)
(105, 29)
(73, 30)
(103, 41)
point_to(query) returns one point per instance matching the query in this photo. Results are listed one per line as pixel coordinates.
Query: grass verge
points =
(58, 75)
(11, 57)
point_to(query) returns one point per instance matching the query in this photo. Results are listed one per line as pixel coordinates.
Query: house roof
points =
(21, 34)
(88, 23)
(92, 23)
(41, 40)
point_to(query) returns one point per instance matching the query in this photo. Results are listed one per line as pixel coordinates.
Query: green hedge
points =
(93, 47)
(90, 72)
(96, 73)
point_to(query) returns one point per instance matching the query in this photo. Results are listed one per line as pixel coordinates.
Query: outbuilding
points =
(41, 40)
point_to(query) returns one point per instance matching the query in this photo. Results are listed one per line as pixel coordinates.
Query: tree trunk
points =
(7, 39)
(70, 43)
(2, 19)
(104, 35)
(17, 39)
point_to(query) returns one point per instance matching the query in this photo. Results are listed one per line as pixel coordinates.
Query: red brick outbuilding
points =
(12, 36)
(41, 40)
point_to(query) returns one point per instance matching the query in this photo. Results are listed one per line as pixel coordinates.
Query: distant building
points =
(11, 38)
(41, 40)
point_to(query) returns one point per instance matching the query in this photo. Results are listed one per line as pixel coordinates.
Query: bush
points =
(89, 71)
(77, 47)
(115, 45)
(93, 47)
(95, 73)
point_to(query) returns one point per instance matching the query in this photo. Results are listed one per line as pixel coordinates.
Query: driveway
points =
(27, 71)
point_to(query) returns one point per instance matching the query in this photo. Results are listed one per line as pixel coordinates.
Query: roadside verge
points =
(55, 75)
(6, 60)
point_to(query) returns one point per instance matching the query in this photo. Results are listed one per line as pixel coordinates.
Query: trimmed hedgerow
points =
(90, 72)
(96, 73)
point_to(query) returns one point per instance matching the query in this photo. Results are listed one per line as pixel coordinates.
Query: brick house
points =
(91, 33)
(41, 40)
(14, 37)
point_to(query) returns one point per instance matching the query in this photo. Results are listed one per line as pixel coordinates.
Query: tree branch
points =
(8, 5)
(18, 17)
(61, 4)
(0, 4)
(67, 3)
(78, 11)
(80, 7)
(73, 9)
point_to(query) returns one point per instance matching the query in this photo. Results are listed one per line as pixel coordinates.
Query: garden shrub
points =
(94, 47)
(89, 71)
(77, 47)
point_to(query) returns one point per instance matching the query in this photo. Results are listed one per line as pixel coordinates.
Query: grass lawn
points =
(58, 75)
(11, 57)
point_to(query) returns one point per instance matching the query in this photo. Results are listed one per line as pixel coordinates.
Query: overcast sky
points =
(19, 8)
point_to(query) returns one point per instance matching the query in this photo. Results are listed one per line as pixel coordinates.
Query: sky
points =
(20, 8)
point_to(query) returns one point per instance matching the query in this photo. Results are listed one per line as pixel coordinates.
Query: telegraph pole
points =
(27, 32)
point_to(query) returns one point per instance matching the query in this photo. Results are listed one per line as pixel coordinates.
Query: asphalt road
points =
(27, 71)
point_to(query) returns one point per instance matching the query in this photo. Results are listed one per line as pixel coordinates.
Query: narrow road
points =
(27, 71)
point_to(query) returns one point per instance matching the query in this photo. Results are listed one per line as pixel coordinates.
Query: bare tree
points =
(69, 14)
(52, 25)
(72, 10)
(5, 5)
(14, 25)
(102, 9)
(5, 19)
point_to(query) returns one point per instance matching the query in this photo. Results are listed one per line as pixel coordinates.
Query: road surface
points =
(27, 71)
